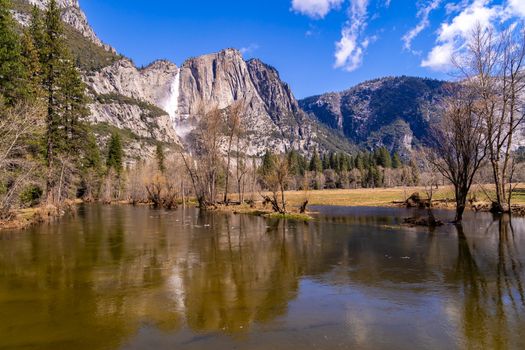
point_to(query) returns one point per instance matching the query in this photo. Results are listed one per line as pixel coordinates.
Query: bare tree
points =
(17, 125)
(493, 66)
(459, 144)
(277, 180)
(204, 164)
(233, 130)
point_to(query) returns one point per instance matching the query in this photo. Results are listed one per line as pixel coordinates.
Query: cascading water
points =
(172, 104)
(172, 107)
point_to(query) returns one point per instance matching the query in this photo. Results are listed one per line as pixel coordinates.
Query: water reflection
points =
(115, 277)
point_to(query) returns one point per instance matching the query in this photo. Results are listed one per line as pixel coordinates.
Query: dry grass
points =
(379, 197)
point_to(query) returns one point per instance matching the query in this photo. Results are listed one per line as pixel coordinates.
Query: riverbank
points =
(361, 197)
(24, 218)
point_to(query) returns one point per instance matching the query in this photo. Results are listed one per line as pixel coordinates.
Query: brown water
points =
(135, 278)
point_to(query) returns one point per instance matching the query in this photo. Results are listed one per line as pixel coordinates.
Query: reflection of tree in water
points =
(246, 276)
(493, 298)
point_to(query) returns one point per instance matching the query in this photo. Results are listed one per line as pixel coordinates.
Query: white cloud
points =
(440, 58)
(423, 14)
(351, 47)
(249, 49)
(518, 7)
(466, 15)
(453, 35)
(315, 8)
(463, 24)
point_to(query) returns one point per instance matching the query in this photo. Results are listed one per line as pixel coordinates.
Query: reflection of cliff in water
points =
(113, 268)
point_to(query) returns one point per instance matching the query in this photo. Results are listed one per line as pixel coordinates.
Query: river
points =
(122, 277)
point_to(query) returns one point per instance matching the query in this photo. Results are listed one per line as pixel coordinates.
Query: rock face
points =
(74, 16)
(133, 99)
(394, 112)
(271, 116)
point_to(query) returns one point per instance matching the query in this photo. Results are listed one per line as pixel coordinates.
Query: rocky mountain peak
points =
(72, 14)
(392, 111)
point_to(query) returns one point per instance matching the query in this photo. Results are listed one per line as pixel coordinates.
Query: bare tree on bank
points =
(233, 130)
(17, 125)
(276, 179)
(459, 144)
(493, 66)
(204, 164)
(241, 169)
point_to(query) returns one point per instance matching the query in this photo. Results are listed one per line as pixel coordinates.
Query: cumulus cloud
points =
(423, 14)
(453, 35)
(352, 45)
(315, 8)
(518, 7)
(463, 18)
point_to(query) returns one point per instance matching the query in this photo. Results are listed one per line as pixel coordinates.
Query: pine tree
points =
(53, 65)
(115, 154)
(294, 165)
(383, 158)
(31, 60)
(67, 132)
(316, 165)
(334, 164)
(12, 72)
(159, 154)
(359, 162)
(396, 161)
(37, 31)
(268, 164)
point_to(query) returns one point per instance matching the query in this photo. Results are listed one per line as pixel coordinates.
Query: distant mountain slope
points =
(393, 111)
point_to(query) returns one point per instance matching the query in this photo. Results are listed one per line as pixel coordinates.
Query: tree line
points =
(49, 153)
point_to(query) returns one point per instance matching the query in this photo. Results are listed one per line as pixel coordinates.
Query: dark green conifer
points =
(159, 154)
(316, 164)
(396, 161)
(12, 71)
(115, 154)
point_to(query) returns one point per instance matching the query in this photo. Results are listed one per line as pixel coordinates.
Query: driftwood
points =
(302, 208)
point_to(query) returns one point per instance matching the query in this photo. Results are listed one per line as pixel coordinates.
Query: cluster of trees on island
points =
(49, 153)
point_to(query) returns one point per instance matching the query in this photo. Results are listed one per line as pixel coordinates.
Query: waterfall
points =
(172, 104)
(181, 126)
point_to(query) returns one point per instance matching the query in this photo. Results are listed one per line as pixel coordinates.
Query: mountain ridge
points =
(157, 102)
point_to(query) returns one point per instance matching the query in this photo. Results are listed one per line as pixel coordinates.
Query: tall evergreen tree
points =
(115, 154)
(12, 71)
(316, 165)
(294, 163)
(396, 161)
(53, 52)
(37, 31)
(31, 60)
(67, 132)
(384, 159)
(159, 154)
(268, 163)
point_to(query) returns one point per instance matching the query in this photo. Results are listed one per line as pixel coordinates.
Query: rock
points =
(415, 201)
(74, 16)
(394, 112)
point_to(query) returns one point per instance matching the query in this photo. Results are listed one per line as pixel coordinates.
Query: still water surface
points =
(135, 278)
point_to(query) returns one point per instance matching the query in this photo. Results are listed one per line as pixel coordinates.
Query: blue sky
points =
(317, 45)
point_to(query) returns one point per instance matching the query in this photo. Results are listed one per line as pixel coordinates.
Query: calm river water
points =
(136, 278)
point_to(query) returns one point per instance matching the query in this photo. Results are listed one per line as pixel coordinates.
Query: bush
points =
(31, 195)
